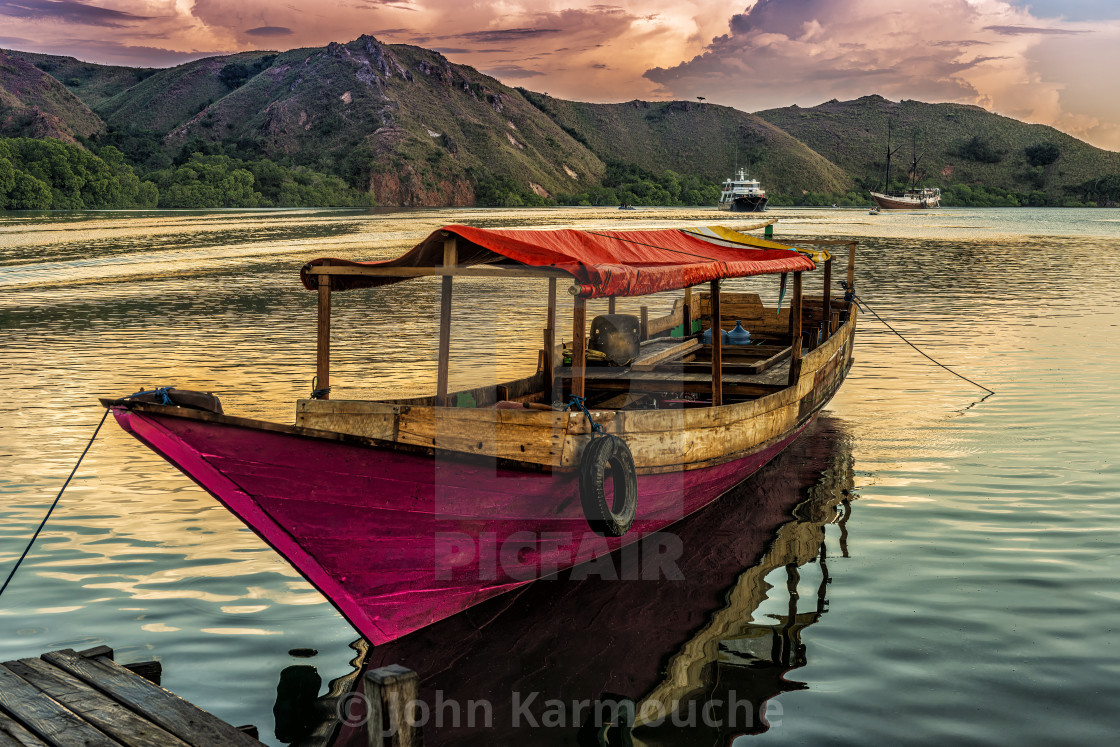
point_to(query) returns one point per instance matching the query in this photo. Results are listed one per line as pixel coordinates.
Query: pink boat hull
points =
(397, 540)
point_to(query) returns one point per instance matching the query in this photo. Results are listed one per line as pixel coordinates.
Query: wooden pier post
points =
(550, 343)
(795, 328)
(826, 312)
(717, 348)
(610, 305)
(390, 692)
(323, 341)
(450, 259)
(579, 345)
(643, 329)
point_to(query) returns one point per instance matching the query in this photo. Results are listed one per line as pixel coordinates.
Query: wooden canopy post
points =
(686, 324)
(450, 259)
(717, 348)
(795, 329)
(610, 305)
(579, 345)
(826, 315)
(323, 341)
(550, 342)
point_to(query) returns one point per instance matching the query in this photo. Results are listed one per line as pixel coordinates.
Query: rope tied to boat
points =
(578, 401)
(160, 392)
(163, 398)
(50, 510)
(863, 306)
(316, 392)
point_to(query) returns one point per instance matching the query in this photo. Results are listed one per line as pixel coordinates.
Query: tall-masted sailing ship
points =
(913, 198)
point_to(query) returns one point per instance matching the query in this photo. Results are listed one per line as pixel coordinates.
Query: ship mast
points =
(914, 163)
(887, 177)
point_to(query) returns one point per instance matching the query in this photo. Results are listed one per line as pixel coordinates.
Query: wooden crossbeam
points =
(477, 271)
(647, 362)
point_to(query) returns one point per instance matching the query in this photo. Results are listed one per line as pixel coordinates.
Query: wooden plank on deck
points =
(189, 722)
(648, 359)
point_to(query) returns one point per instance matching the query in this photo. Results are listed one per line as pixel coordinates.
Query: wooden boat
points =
(406, 511)
(912, 199)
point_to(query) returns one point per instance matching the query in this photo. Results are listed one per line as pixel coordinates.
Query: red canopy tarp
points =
(602, 263)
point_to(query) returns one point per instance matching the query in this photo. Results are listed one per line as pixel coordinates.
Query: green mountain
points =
(705, 140)
(35, 104)
(168, 98)
(404, 126)
(958, 144)
(400, 120)
(90, 82)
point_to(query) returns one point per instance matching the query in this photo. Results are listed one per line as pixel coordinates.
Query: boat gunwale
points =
(616, 423)
(270, 426)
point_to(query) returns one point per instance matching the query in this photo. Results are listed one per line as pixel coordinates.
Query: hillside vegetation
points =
(48, 174)
(365, 122)
(400, 122)
(91, 83)
(35, 104)
(959, 145)
(703, 140)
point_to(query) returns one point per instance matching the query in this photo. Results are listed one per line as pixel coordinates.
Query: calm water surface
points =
(973, 591)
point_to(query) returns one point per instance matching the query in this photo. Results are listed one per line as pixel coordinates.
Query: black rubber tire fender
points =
(602, 454)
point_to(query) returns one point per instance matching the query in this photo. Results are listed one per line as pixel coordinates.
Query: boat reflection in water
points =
(685, 661)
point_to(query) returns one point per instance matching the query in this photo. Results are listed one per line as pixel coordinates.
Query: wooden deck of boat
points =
(745, 376)
(66, 698)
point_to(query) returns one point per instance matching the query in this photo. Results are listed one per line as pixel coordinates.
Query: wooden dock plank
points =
(13, 733)
(190, 723)
(93, 706)
(46, 717)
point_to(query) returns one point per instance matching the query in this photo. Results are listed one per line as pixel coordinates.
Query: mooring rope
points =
(578, 401)
(863, 305)
(43, 523)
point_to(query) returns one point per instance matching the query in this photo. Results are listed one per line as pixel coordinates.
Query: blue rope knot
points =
(578, 401)
(316, 392)
(161, 393)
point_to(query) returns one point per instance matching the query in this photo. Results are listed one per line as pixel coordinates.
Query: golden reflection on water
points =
(137, 556)
(211, 301)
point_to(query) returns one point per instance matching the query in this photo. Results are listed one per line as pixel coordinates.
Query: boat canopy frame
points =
(326, 275)
(602, 263)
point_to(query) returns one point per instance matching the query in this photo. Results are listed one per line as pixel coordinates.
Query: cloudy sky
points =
(1049, 61)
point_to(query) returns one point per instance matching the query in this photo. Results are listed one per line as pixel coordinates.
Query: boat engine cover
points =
(617, 336)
